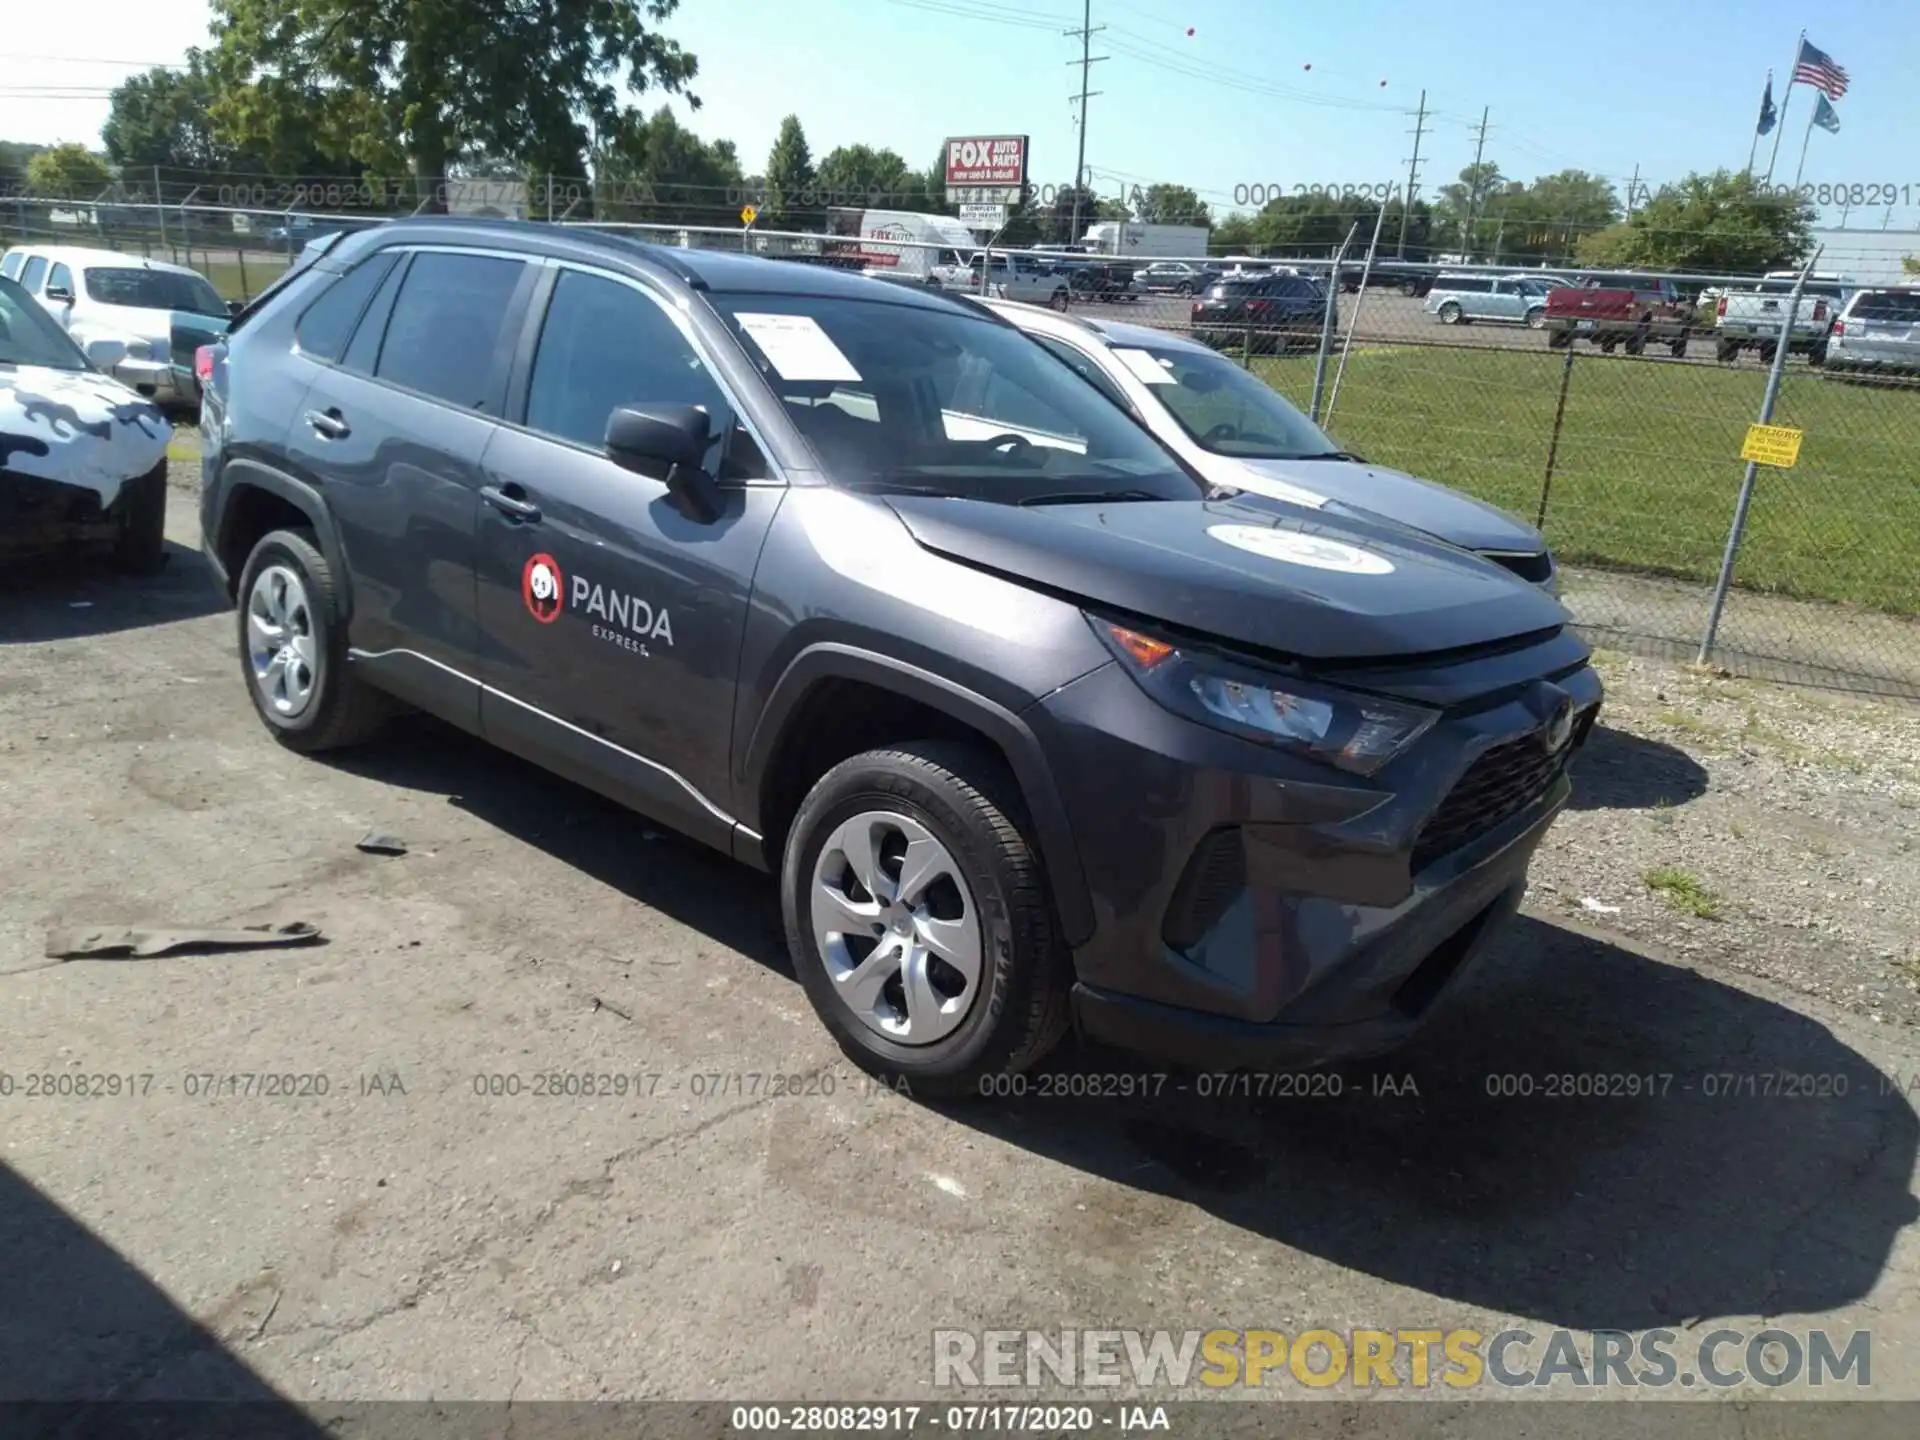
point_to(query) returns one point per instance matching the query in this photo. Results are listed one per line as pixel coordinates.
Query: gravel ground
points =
(704, 1240)
(1796, 814)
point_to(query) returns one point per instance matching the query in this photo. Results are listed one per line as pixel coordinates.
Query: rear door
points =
(1503, 303)
(393, 434)
(611, 621)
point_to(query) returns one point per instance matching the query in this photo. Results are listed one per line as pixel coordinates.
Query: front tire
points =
(140, 544)
(1450, 313)
(293, 649)
(919, 919)
(1537, 318)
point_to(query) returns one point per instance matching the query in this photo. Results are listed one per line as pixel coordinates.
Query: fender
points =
(244, 471)
(1003, 726)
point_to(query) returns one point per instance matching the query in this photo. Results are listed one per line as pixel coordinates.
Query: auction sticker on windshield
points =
(1312, 551)
(798, 348)
(1146, 369)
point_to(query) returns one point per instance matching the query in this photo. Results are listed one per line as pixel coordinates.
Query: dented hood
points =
(1247, 570)
(77, 427)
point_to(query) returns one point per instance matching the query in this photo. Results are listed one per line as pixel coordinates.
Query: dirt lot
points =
(1732, 896)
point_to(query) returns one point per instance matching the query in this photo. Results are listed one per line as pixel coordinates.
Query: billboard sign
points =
(997, 162)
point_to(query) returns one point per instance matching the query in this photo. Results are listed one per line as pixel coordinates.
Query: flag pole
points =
(1754, 148)
(1780, 124)
(1805, 140)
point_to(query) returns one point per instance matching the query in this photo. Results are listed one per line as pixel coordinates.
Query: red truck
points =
(1615, 310)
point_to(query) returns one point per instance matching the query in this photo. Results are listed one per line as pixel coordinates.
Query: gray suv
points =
(857, 584)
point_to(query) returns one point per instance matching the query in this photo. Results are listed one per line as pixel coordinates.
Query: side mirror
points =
(677, 436)
(234, 307)
(59, 294)
(105, 354)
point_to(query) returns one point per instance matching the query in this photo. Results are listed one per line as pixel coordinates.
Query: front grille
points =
(1213, 879)
(1532, 568)
(1496, 787)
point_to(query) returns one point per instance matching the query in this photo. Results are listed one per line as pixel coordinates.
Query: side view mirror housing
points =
(640, 438)
(105, 353)
(59, 294)
(234, 307)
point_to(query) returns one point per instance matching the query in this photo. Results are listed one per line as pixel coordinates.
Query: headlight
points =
(1356, 732)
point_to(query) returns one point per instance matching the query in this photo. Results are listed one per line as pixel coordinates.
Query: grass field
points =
(1647, 470)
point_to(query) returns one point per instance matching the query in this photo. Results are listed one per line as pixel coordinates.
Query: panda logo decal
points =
(540, 587)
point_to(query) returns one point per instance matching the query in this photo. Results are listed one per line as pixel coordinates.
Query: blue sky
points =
(1231, 105)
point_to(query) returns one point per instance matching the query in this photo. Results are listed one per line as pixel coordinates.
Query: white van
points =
(919, 242)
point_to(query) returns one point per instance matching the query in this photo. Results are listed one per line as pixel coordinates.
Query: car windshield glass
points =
(28, 335)
(153, 290)
(941, 401)
(1223, 408)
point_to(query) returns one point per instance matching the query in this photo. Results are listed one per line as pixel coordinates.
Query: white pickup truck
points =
(1035, 279)
(1750, 316)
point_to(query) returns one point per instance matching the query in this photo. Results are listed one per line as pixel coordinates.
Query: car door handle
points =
(329, 423)
(511, 506)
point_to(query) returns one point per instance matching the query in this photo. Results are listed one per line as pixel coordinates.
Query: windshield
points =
(1223, 408)
(154, 290)
(944, 402)
(28, 335)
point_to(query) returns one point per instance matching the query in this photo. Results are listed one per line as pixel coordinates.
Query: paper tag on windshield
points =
(798, 347)
(1146, 369)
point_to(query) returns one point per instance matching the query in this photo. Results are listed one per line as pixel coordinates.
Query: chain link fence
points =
(1626, 456)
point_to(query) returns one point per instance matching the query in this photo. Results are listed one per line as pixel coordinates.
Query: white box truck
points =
(900, 244)
(1131, 241)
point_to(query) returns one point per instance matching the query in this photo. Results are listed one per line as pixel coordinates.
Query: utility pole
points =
(1086, 62)
(1473, 198)
(1413, 177)
(1633, 189)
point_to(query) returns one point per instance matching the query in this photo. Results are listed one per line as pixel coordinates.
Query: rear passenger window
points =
(324, 329)
(446, 326)
(1893, 306)
(604, 345)
(36, 270)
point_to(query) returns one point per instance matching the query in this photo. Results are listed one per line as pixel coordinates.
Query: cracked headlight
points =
(1360, 733)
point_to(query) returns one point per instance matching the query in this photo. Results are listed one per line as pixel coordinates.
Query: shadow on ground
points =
(1617, 770)
(1457, 1167)
(69, 599)
(90, 1346)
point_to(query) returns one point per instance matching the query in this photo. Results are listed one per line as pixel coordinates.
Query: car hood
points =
(1375, 492)
(77, 427)
(1247, 570)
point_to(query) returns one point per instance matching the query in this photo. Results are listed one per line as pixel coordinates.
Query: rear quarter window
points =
(327, 324)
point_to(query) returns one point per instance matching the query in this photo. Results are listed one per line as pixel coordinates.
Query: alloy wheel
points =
(281, 649)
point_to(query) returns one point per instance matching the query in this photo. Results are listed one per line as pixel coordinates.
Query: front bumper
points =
(1256, 909)
(40, 516)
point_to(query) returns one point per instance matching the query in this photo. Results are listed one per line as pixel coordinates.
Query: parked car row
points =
(1060, 671)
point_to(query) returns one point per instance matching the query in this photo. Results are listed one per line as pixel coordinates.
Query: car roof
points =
(84, 255)
(714, 271)
(1040, 319)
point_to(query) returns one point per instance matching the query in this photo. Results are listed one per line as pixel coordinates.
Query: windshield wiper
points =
(1088, 497)
(1331, 455)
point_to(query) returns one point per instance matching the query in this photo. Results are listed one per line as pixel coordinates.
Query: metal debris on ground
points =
(116, 942)
(375, 843)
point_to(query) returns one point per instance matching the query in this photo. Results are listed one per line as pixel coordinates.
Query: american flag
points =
(1816, 68)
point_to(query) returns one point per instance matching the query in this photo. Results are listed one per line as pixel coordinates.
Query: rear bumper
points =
(155, 380)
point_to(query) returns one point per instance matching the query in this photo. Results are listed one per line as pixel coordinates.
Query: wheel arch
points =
(259, 499)
(800, 733)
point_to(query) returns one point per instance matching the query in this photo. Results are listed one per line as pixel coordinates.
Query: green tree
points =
(660, 172)
(1235, 235)
(1911, 264)
(861, 177)
(789, 202)
(67, 172)
(1313, 225)
(1463, 205)
(410, 85)
(1169, 205)
(1719, 222)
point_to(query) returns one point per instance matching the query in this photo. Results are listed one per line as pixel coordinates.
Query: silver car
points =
(1460, 299)
(1879, 330)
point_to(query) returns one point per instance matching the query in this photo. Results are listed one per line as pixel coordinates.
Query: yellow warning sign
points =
(748, 214)
(1777, 445)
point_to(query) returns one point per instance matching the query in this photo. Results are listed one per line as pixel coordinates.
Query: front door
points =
(611, 621)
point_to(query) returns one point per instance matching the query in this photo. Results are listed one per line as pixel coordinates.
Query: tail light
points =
(203, 364)
(1720, 310)
(1256, 307)
(1839, 327)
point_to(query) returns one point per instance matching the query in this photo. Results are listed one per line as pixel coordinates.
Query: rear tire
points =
(140, 546)
(961, 800)
(1726, 351)
(1537, 318)
(322, 704)
(1058, 300)
(1559, 339)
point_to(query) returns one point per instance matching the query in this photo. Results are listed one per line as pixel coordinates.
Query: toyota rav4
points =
(854, 582)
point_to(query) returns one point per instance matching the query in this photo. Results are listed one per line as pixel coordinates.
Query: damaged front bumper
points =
(40, 516)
